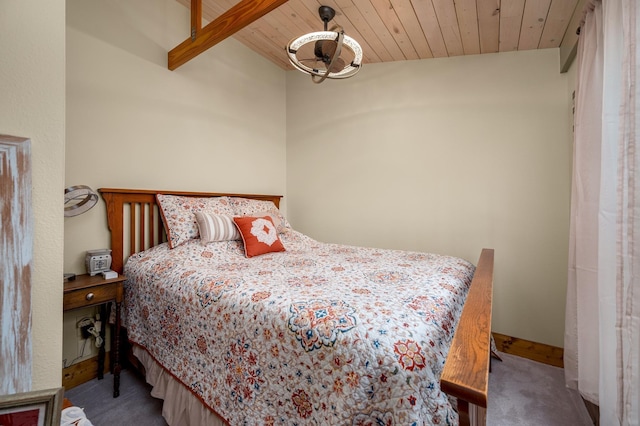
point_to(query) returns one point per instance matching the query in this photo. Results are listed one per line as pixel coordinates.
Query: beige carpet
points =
(525, 392)
(521, 392)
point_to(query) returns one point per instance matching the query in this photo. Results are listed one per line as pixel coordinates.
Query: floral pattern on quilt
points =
(243, 374)
(316, 323)
(319, 334)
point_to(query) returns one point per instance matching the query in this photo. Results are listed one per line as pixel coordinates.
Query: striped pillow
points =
(216, 227)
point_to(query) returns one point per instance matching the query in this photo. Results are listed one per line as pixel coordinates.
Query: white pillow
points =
(251, 207)
(216, 227)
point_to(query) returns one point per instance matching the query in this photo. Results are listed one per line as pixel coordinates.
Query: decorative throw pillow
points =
(216, 227)
(178, 215)
(259, 235)
(251, 207)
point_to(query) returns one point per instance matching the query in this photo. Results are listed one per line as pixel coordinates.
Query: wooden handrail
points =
(466, 371)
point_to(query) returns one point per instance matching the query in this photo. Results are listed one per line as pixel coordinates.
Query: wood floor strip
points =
(546, 354)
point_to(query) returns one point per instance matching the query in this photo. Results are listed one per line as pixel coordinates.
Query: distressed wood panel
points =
(16, 252)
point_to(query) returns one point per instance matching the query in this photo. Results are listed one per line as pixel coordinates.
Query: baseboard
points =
(83, 371)
(540, 352)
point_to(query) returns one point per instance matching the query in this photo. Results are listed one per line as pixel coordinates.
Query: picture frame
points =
(35, 408)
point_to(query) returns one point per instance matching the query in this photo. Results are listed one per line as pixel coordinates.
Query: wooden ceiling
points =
(399, 30)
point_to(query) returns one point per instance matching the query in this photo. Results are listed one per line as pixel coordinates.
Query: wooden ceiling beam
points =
(227, 24)
(196, 18)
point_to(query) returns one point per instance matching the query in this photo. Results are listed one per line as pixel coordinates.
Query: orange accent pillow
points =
(259, 235)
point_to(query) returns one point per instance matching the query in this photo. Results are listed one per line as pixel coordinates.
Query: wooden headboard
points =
(133, 217)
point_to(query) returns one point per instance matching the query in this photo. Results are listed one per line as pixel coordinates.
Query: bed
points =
(315, 333)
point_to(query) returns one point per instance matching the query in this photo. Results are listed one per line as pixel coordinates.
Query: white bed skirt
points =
(180, 406)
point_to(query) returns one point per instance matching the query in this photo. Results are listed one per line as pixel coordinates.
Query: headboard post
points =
(115, 208)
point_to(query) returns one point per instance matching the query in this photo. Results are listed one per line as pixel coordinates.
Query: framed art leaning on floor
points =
(38, 408)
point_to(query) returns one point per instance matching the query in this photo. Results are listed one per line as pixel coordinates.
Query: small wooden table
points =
(87, 291)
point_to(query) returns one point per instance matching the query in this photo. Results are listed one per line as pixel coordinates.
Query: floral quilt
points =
(318, 334)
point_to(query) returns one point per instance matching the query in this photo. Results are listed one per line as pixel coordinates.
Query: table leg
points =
(116, 354)
(101, 350)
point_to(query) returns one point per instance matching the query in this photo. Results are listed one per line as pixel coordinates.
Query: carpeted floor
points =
(521, 392)
(525, 392)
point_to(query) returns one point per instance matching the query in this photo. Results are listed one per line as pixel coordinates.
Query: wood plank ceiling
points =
(398, 30)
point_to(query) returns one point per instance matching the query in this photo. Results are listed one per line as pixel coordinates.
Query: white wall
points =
(216, 123)
(32, 105)
(448, 156)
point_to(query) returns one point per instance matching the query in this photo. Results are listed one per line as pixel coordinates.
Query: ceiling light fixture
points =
(326, 54)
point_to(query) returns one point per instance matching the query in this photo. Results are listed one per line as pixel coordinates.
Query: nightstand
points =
(87, 291)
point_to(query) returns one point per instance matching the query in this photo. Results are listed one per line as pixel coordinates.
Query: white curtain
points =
(602, 330)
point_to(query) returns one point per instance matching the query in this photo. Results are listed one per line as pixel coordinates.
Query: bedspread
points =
(318, 334)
